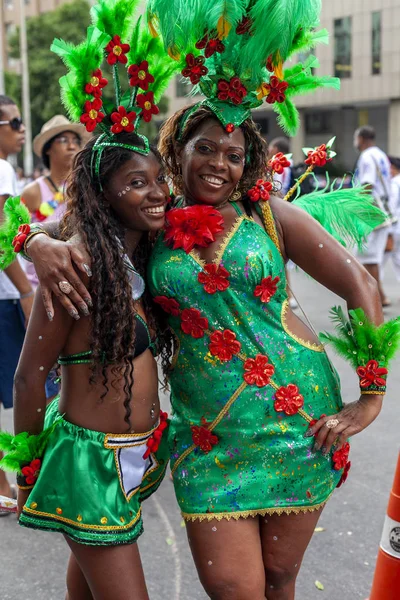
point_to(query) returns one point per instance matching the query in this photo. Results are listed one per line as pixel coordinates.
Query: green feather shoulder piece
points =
(15, 214)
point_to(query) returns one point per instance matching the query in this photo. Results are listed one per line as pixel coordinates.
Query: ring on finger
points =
(65, 287)
(332, 423)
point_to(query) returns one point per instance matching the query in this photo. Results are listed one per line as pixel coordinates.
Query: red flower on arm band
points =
(261, 191)
(267, 288)
(140, 76)
(116, 51)
(224, 345)
(122, 120)
(19, 239)
(195, 68)
(278, 163)
(96, 84)
(371, 374)
(288, 400)
(169, 305)
(203, 437)
(31, 471)
(258, 370)
(214, 278)
(193, 323)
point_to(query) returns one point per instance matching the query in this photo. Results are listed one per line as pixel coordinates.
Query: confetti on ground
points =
(319, 529)
(319, 585)
(170, 541)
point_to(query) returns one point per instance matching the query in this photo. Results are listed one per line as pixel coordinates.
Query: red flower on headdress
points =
(192, 323)
(278, 163)
(224, 345)
(261, 191)
(211, 46)
(244, 26)
(269, 64)
(96, 84)
(340, 457)
(214, 278)
(232, 90)
(169, 305)
(31, 471)
(258, 371)
(318, 157)
(146, 103)
(153, 443)
(275, 90)
(371, 374)
(344, 474)
(92, 114)
(19, 239)
(203, 437)
(140, 76)
(116, 51)
(288, 400)
(267, 288)
(122, 120)
(193, 226)
(195, 69)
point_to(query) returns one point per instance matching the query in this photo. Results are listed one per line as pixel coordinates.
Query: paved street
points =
(341, 557)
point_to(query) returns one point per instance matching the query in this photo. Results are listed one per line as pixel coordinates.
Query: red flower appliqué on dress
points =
(224, 345)
(275, 90)
(318, 157)
(122, 120)
(153, 443)
(146, 103)
(169, 305)
(261, 191)
(193, 226)
(371, 374)
(140, 76)
(278, 163)
(96, 84)
(232, 90)
(341, 457)
(31, 471)
(288, 400)
(214, 278)
(258, 370)
(195, 69)
(193, 323)
(203, 437)
(116, 51)
(92, 114)
(344, 474)
(210, 46)
(267, 288)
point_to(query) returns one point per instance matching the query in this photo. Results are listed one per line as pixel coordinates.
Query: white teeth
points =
(159, 210)
(213, 180)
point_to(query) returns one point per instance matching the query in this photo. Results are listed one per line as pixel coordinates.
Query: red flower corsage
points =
(117, 51)
(258, 371)
(140, 76)
(96, 84)
(193, 226)
(146, 103)
(267, 288)
(275, 90)
(224, 345)
(92, 114)
(169, 305)
(19, 239)
(211, 46)
(195, 69)
(261, 191)
(371, 374)
(153, 443)
(214, 278)
(122, 120)
(203, 437)
(278, 163)
(193, 323)
(288, 400)
(244, 26)
(344, 474)
(340, 457)
(232, 90)
(31, 472)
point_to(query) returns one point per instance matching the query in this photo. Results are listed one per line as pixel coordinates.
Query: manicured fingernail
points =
(324, 450)
(85, 310)
(316, 448)
(74, 315)
(88, 270)
(89, 302)
(49, 315)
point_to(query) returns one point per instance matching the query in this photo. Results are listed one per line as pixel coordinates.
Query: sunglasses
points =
(15, 123)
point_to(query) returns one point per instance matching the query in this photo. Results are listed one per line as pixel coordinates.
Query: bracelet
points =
(27, 295)
(35, 230)
(20, 238)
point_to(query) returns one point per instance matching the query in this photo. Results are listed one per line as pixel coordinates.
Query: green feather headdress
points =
(233, 51)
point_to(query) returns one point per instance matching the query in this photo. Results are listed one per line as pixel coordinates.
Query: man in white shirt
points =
(373, 170)
(16, 295)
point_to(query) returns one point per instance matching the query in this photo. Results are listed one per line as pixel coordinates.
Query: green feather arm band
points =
(367, 347)
(16, 214)
(23, 454)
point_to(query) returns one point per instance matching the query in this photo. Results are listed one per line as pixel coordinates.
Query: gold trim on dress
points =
(296, 338)
(223, 246)
(38, 513)
(269, 224)
(153, 483)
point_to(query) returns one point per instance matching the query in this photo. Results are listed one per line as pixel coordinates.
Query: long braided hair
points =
(112, 336)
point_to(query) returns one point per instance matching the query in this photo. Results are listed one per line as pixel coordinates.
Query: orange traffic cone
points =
(386, 584)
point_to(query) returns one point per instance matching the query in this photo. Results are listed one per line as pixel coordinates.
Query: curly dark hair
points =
(255, 145)
(112, 338)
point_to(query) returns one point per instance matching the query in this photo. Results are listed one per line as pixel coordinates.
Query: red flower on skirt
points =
(214, 278)
(153, 443)
(122, 120)
(275, 90)
(340, 457)
(288, 400)
(203, 437)
(267, 288)
(278, 163)
(96, 84)
(140, 76)
(261, 191)
(146, 103)
(193, 323)
(116, 51)
(169, 305)
(318, 157)
(371, 374)
(31, 472)
(258, 371)
(195, 69)
(344, 474)
(232, 90)
(92, 114)
(193, 226)
(224, 345)
(211, 46)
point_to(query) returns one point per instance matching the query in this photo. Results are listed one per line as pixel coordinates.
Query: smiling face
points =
(138, 193)
(212, 163)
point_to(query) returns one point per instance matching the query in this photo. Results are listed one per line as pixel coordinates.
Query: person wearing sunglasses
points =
(16, 294)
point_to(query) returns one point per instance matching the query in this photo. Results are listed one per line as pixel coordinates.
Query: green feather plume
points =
(288, 116)
(114, 17)
(358, 340)
(308, 39)
(15, 214)
(23, 448)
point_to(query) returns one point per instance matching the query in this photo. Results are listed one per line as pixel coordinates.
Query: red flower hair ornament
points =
(232, 90)
(193, 226)
(116, 51)
(203, 437)
(140, 76)
(214, 278)
(318, 157)
(275, 90)
(96, 84)
(192, 323)
(210, 46)
(261, 191)
(258, 371)
(122, 120)
(371, 374)
(195, 68)
(92, 114)
(146, 103)
(224, 345)
(279, 162)
(288, 400)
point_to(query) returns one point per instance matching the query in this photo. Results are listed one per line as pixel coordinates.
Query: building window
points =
(9, 4)
(343, 48)
(376, 42)
(318, 123)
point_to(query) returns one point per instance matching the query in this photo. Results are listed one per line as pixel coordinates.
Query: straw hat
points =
(55, 126)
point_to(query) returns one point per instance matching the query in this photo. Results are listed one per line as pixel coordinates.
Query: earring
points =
(236, 195)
